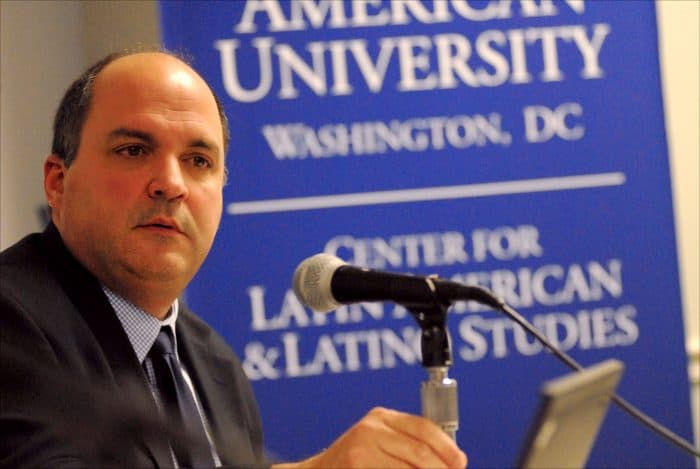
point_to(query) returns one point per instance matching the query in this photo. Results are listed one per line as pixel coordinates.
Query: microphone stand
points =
(439, 392)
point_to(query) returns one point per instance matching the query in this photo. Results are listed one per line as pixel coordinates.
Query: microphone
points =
(323, 283)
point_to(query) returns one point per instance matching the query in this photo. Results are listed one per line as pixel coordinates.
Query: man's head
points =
(137, 197)
(74, 107)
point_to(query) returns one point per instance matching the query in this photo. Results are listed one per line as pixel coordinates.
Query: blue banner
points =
(517, 145)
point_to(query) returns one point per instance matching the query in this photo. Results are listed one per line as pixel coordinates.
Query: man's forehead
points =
(147, 79)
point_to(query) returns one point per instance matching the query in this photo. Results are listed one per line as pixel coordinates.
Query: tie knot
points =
(164, 342)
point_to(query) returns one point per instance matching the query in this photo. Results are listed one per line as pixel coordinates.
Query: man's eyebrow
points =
(204, 144)
(133, 133)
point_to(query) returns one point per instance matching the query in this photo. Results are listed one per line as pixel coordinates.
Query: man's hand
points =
(387, 438)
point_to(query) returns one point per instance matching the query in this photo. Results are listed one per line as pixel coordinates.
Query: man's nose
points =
(167, 180)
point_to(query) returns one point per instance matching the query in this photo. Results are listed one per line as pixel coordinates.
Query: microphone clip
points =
(436, 345)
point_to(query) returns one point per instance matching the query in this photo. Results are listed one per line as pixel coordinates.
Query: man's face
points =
(141, 203)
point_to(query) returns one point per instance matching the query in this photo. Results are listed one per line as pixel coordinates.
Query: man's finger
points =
(427, 433)
(411, 452)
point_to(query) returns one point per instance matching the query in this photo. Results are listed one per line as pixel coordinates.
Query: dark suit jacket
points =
(72, 390)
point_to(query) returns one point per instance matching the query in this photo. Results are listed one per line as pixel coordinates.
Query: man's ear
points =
(54, 175)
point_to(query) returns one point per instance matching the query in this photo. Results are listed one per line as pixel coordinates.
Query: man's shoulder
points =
(30, 288)
(26, 250)
(23, 266)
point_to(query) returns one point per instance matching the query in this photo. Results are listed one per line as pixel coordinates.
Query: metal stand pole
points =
(439, 400)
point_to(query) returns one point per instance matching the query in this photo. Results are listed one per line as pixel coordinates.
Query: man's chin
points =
(169, 267)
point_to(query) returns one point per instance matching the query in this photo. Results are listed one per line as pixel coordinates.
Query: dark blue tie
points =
(178, 403)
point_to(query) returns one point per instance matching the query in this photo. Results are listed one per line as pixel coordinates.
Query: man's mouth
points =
(163, 225)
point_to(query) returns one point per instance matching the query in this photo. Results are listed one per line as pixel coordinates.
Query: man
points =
(135, 184)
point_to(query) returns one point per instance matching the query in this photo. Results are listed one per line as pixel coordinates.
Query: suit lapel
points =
(216, 388)
(86, 294)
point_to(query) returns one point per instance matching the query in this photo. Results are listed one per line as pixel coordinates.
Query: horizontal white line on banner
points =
(522, 186)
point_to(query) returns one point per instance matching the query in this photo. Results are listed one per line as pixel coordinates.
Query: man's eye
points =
(200, 162)
(131, 150)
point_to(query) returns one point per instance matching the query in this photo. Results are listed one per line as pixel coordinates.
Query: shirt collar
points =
(141, 327)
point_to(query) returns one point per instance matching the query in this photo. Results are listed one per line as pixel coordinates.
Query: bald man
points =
(135, 182)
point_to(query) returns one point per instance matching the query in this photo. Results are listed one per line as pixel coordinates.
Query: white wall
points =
(679, 46)
(41, 51)
(46, 44)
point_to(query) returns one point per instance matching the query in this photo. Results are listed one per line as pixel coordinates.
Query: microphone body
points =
(323, 283)
(353, 284)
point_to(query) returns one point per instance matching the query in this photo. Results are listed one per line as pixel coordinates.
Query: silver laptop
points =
(571, 411)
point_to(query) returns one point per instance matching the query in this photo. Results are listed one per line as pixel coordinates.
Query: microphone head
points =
(312, 282)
